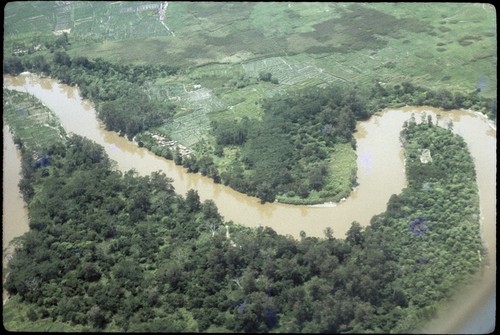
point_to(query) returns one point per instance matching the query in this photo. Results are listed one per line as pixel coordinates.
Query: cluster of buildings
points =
(173, 145)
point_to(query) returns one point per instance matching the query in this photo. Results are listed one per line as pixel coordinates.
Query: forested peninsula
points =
(116, 251)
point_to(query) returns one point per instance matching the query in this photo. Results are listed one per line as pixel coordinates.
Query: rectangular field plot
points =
(28, 16)
(245, 102)
(30, 120)
(194, 103)
(188, 129)
(289, 71)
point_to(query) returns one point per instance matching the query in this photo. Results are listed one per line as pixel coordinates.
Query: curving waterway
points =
(380, 170)
(14, 211)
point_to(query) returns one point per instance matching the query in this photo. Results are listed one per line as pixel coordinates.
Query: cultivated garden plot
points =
(18, 107)
(244, 102)
(189, 129)
(193, 105)
(63, 16)
(110, 20)
(24, 19)
(288, 71)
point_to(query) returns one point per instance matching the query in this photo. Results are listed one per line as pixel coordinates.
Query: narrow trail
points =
(163, 12)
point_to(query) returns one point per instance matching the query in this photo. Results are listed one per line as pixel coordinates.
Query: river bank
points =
(15, 213)
(377, 141)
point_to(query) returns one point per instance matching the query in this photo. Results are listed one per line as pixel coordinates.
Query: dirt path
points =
(163, 12)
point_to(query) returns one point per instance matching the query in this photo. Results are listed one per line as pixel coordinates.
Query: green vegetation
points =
(115, 251)
(218, 62)
(20, 316)
(441, 199)
(36, 130)
(115, 89)
(262, 97)
(21, 109)
(295, 151)
(337, 184)
(451, 45)
(288, 152)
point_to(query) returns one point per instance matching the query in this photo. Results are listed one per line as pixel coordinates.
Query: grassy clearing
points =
(215, 76)
(22, 109)
(343, 171)
(244, 102)
(223, 163)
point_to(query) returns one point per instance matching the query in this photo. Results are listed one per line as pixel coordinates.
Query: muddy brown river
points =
(14, 212)
(380, 171)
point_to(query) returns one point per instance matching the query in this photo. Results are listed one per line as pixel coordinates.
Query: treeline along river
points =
(380, 170)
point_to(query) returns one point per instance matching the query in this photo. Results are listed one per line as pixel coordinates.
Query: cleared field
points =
(288, 71)
(193, 102)
(21, 109)
(343, 167)
(434, 44)
(245, 102)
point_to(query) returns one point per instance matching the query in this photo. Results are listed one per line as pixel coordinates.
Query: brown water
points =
(380, 167)
(15, 214)
(378, 179)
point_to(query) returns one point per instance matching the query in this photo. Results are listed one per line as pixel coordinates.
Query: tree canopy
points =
(120, 252)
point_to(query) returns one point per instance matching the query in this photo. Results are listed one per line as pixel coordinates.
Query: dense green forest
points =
(116, 251)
